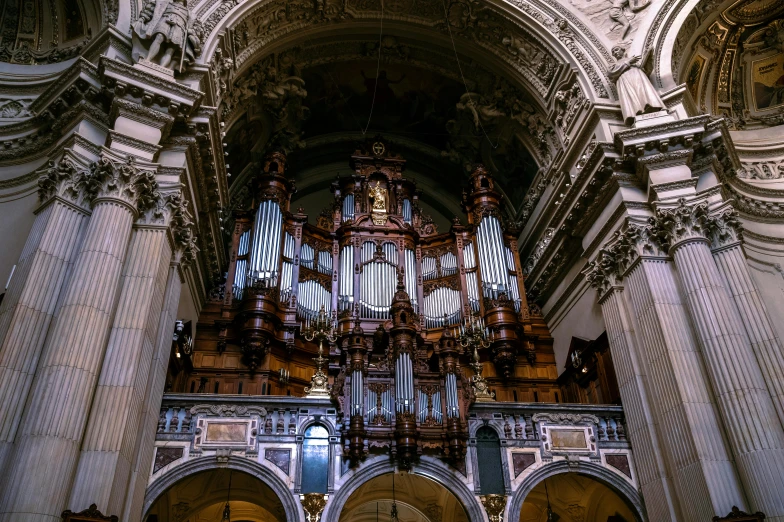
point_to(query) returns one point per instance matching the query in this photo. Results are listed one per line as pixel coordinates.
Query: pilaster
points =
(704, 477)
(107, 453)
(642, 428)
(725, 233)
(31, 303)
(37, 482)
(754, 431)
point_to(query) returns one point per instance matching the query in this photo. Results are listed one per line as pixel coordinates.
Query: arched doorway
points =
(418, 499)
(575, 497)
(203, 496)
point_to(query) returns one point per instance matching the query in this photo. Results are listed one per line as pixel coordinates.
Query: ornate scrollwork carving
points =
(682, 223)
(228, 410)
(567, 419)
(725, 228)
(123, 181)
(60, 179)
(495, 506)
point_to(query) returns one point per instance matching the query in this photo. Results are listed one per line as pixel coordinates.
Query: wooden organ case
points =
(395, 290)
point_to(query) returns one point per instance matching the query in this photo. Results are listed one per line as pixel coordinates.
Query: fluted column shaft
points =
(151, 405)
(642, 429)
(41, 471)
(31, 304)
(107, 455)
(765, 344)
(695, 450)
(755, 433)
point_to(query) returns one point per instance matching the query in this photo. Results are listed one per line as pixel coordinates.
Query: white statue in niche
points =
(635, 90)
(172, 33)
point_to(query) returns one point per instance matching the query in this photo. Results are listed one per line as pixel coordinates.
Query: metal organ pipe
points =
(472, 287)
(348, 208)
(265, 253)
(287, 267)
(346, 284)
(311, 297)
(411, 278)
(378, 280)
(241, 270)
(452, 409)
(490, 243)
(440, 302)
(408, 214)
(404, 383)
(357, 392)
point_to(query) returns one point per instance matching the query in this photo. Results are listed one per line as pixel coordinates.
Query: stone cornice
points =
(175, 97)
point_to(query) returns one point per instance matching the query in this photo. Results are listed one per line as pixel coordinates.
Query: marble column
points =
(155, 386)
(40, 472)
(31, 302)
(725, 232)
(753, 428)
(107, 455)
(642, 429)
(695, 450)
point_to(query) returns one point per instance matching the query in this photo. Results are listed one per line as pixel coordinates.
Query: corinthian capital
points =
(122, 181)
(685, 222)
(636, 241)
(725, 229)
(61, 179)
(602, 274)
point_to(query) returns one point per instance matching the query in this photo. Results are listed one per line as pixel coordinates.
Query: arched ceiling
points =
(321, 99)
(37, 32)
(418, 500)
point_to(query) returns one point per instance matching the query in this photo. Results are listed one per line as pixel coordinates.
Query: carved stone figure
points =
(635, 90)
(622, 11)
(174, 35)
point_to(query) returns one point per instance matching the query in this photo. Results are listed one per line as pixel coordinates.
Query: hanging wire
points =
(462, 76)
(549, 509)
(393, 513)
(227, 509)
(378, 69)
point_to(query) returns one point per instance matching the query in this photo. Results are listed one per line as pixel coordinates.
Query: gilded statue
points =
(378, 196)
(171, 32)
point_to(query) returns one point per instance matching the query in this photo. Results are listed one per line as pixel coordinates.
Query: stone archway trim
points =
(621, 487)
(291, 506)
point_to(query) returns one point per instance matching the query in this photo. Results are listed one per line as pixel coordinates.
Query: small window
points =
(315, 459)
(193, 386)
(217, 386)
(239, 388)
(514, 394)
(536, 396)
(488, 455)
(264, 388)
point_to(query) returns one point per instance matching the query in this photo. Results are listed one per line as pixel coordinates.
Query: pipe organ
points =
(395, 289)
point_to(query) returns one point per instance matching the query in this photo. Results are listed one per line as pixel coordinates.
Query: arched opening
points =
(315, 459)
(488, 456)
(571, 496)
(203, 496)
(417, 499)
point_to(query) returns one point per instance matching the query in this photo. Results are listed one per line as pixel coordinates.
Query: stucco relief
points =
(618, 19)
